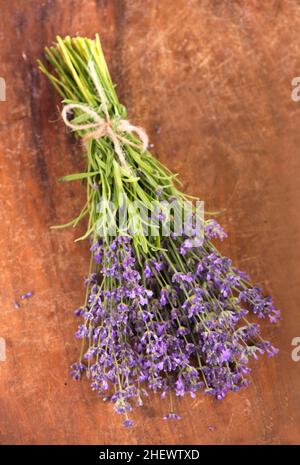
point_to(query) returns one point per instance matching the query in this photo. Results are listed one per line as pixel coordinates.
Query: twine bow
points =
(113, 128)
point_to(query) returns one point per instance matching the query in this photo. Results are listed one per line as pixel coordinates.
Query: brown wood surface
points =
(211, 83)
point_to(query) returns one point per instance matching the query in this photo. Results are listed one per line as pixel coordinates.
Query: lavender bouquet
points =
(164, 310)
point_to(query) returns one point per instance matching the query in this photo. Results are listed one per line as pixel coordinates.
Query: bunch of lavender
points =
(163, 312)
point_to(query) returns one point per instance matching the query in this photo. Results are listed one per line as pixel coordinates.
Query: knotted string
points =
(113, 128)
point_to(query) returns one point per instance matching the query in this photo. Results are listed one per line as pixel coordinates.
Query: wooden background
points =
(211, 83)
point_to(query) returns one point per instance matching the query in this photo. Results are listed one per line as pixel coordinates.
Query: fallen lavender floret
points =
(27, 295)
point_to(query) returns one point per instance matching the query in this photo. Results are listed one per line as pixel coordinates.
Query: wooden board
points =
(211, 83)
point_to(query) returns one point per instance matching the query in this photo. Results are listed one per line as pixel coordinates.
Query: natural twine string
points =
(113, 128)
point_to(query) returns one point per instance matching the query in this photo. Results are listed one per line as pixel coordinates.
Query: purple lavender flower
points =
(26, 295)
(179, 386)
(182, 277)
(164, 296)
(213, 230)
(77, 370)
(158, 264)
(147, 271)
(127, 423)
(172, 416)
(226, 355)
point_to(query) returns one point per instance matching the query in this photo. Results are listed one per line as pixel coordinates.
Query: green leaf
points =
(77, 176)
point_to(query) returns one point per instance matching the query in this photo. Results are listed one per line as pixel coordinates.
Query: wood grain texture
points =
(211, 83)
